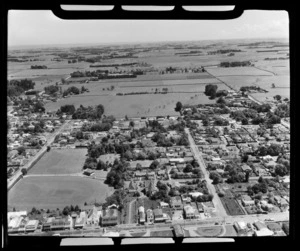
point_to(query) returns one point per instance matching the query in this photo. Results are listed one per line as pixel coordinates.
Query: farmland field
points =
(134, 106)
(63, 161)
(56, 192)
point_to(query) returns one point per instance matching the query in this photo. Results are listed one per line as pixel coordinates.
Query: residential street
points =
(211, 188)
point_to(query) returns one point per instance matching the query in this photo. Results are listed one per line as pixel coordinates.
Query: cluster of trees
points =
(235, 64)
(69, 209)
(252, 87)
(72, 61)
(211, 91)
(105, 125)
(51, 89)
(116, 198)
(162, 193)
(89, 112)
(163, 141)
(234, 174)
(178, 107)
(95, 150)
(222, 51)
(220, 121)
(116, 175)
(273, 150)
(73, 90)
(17, 87)
(38, 67)
(260, 187)
(282, 110)
(216, 177)
(68, 109)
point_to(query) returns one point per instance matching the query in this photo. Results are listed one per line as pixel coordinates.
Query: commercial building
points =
(109, 217)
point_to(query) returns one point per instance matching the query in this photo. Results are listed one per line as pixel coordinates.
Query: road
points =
(129, 210)
(211, 188)
(49, 140)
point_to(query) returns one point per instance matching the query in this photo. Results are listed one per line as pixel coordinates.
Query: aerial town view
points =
(185, 138)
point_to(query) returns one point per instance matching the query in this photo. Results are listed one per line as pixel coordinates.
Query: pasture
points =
(134, 106)
(60, 161)
(56, 192)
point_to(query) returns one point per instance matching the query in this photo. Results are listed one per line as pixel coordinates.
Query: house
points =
(177, 160)
(31, 226)
(246, 200)
(164, 204)
(149, 215)
(264, 232)
(109, 217)
(47, 225)
(240, 227)
(194, 195)
(57, 224)
(200, 207)
(246, 168)
(189, 212)
(88, 172)
(158, 215)
(176, 203)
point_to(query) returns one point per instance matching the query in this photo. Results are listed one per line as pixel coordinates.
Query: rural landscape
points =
(165, 139)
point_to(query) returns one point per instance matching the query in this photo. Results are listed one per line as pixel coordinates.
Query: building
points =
(149, 215)
(240, 227)
(158, 215)
(58, 224)
(31, 226)
(176, 203)
(259, 225)
(189, 212)
(164, 204)
(141, 212)
(246, 200)
(263, 232)
(109, 217)
(47, 225)
(14, 223)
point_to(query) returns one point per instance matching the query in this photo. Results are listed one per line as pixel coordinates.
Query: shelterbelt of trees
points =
(18, 87)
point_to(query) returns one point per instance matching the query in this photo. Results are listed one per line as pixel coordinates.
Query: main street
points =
(49, 140)
(211, 188)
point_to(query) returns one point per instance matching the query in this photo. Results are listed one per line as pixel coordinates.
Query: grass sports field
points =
(62, 161)
(56, 192)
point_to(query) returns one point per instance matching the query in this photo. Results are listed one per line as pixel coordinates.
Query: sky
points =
(42, 27)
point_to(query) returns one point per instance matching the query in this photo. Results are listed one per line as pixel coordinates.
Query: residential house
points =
(109, 217)
(158, 215)
(31, 226)
(176, 203)
(246, 200)
(189, 212)
(240, 227)
(149, 215)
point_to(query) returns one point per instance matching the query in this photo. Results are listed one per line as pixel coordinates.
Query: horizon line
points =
(136, 42)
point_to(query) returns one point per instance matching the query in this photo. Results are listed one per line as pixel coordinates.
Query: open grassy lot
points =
(56, 192)
(166, 233)
(134, 106)
(230, 231)
(62, 161)
(210, 231)
(231, 206)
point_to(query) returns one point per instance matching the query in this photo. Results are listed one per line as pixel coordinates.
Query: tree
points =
(211, 90)
(188, 168)
(48, 148)
(101, 165)
(131, 123)
(178, 106)
(273, 85)
(221, 100)
(281, 170)
(277, 97)
(21, 150)
(24, 171)
(154, 164)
